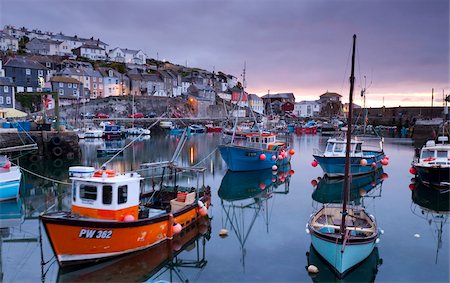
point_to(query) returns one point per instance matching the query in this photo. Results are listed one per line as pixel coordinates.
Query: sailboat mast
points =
(349, 138)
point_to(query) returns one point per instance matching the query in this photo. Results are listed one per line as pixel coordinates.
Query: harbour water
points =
(264, 213)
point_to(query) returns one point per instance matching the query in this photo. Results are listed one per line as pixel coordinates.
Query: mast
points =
(349, 138)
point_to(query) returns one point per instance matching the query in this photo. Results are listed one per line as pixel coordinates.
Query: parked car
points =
(87, 115)
(151, 115)
(101, 116)
(136, 115)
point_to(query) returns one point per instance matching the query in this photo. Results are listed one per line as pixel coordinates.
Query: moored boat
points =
(433, 165)
(9, 179)
(109, 216)
(197, 129)
(137, 131)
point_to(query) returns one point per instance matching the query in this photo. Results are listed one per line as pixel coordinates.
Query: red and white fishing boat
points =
(110, 217)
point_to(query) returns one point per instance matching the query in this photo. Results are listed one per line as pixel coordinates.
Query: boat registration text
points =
(95, 234)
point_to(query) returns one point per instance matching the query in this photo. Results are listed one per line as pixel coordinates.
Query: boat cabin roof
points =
(335, 140)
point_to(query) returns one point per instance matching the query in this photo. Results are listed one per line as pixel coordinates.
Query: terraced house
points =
(69, 89)
(25, 73)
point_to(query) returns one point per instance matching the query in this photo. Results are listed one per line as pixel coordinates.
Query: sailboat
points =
(344, 235)
(254, 150)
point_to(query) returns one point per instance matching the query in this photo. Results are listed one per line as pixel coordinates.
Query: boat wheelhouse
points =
(332, 160)
(110, 217)
(433, 165)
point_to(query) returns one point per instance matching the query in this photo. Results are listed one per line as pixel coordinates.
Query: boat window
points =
(339, 147)
(122, 194)
(107, 194)
(358, 147)
(427, 154)
(88, 192)
(329, 147)
(74, 191)
(441, 153)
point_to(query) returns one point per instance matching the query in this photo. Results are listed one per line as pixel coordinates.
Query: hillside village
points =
(86, 69)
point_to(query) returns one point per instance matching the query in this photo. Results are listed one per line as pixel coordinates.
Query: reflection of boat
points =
(245, 194)
(362, 161)
(366, 271)
(108, 151)
(433, 206)
(11, 213)
(136, 131)
(9, 179)
(344, 235)
(433, 165)
(330, 190)
(151, 264)
(109, 217)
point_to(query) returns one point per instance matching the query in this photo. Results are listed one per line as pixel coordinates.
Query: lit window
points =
(61, 84)
(28, 71)
(40, 73)
(69, 85)
(5, 88)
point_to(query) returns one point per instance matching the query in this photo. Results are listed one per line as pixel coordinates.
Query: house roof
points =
(254, 97)
(62, 79)
(7, 36)
(104, 71)
(6, 81)
(23, 62)
(91, 46)
(46, 41)
(330, 94)
(76, 38)
(288, 95)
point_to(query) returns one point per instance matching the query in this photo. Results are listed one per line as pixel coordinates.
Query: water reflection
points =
(330, 190)
(366, 271)
(246, 195)
(169, 260)
(433, 206)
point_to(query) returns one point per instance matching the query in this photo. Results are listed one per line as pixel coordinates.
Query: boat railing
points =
(317, 151)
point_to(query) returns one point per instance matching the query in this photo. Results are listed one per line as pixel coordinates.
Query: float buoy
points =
(176, 228)
(363, 162)
(314, 163)
(262, 157)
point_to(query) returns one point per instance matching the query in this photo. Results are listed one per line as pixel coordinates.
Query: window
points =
(339, 147)
(358, 148)
(69, 85)
(75, 92)
(8, 100)
(1, 99)
(61, 91)
(40, 73)
(74, 192)
(88, 192)
(48, 64)
(95, 85)
(28, 71)
(107, 195)
(5, 88)
(61, 84)
(94, 79)
(440, 153)
(100, 80)
(427, 154)
(329, 147)
(122, 194)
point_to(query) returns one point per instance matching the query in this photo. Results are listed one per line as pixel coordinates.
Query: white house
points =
(93, 52)
(128, 56)
(8, 42)
(256, 103)
(114, 83)
(49, 47)
(306, 108)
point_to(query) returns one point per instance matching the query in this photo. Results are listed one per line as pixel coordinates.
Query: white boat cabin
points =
(336, 148)
(265, 140)
(103, 194)
(436, 154)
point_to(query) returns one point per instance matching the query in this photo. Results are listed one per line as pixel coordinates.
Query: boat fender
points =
(176, 228)
(203, 211)
(200, 204)
(374, 164)
(413, 170)
(273, 157)
(274, 168)
(363, 162)
(314, 183)
(313, 269)
(57, 151)
(291, 151)
(314, 163)
(7, 165)
(262, 157)
(128, 218)
(223, 233)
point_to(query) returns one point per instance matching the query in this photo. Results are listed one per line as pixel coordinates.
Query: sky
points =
(298, 46)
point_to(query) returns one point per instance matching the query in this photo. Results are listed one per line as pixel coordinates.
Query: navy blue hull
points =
(434, 176)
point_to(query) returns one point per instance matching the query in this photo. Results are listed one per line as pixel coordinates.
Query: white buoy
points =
(223, 233)
(313, 269)
(417, 235)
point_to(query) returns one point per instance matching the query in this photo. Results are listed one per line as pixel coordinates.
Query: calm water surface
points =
(265, 214)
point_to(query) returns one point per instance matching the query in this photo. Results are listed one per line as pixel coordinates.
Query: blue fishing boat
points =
(344, 235)
(9, 179)
(332, 160)
(258, 151)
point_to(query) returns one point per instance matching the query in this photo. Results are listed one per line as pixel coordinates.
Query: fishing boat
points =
(197, 129)
(309, 127)
(344, 235)
(137, 131)
(362, 160)
(111, 131)
(162, 261)
(211, 128)
(9, 179)
(110, 217)
(433, 165)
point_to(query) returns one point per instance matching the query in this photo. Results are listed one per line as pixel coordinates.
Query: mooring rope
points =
(41, 176)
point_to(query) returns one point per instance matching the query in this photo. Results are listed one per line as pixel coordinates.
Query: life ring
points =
(56, 141)
(57, 163)
(57, 151)
(109, 173)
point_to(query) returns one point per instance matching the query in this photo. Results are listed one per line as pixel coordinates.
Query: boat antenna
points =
(349, 138)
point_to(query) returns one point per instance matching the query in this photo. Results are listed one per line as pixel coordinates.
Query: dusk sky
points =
(288, 46)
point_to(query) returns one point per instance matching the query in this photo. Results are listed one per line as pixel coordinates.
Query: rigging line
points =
(344, 80)
(132, 141)
(205, 157)
(41, 176)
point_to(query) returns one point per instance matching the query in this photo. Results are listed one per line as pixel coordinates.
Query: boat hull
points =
(437, 176)
(10, 183)
(81, 240)
(335, 166)
(342, 262)
(240, 158)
